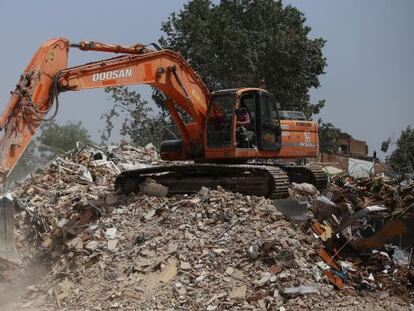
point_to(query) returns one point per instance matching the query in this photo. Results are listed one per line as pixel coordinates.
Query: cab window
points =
(220, 121)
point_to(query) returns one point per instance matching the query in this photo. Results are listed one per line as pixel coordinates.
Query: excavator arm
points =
(165, 70)
(30, 102)
(47, 75)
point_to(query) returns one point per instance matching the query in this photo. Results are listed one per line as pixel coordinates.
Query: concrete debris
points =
(152, 188)
(401, 257)
(332, 171)
(85, 174)
(295, 210)
(214, 250)
(238, 292)
(110, 233)
(90, 246)
(305, 188)
(301, 290)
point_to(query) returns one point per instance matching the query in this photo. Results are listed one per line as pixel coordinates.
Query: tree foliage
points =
(235, 43)
(328, 137)
(140, 124)
(402, 158)
(238, 43)
(55, 138)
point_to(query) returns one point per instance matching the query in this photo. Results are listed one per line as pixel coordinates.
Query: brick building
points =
(352, 147)
(352, 157)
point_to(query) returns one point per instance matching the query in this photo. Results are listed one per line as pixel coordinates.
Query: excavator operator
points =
(243, 127)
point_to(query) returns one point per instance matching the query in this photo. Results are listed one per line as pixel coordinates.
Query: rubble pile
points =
(365, 192)
(202, 251)
(60, 200)
(366, 227)
(214, 250)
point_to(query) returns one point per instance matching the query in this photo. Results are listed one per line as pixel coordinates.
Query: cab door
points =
(269, 124)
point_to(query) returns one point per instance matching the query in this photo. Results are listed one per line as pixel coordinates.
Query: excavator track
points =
(310, 174)
(299, 174)
(260, 180)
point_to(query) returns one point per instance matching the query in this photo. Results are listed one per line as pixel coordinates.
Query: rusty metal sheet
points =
(334, 279)
(328, 259)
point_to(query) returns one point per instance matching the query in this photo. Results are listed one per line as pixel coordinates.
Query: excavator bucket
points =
(8, 252)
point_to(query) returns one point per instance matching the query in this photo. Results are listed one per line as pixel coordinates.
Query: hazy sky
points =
(368, 85)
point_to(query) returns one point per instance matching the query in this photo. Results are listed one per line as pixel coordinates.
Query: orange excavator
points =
(239, 156)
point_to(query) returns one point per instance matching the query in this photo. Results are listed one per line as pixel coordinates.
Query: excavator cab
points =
(242, 122)
(265, 120)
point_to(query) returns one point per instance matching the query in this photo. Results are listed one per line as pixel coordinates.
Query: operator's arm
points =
(246, 120)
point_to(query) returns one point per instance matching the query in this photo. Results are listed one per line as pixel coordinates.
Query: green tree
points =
(328, 137)
(235, 43)
(55, 138)
(401, 159)
(141, 124)
(239, 43)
